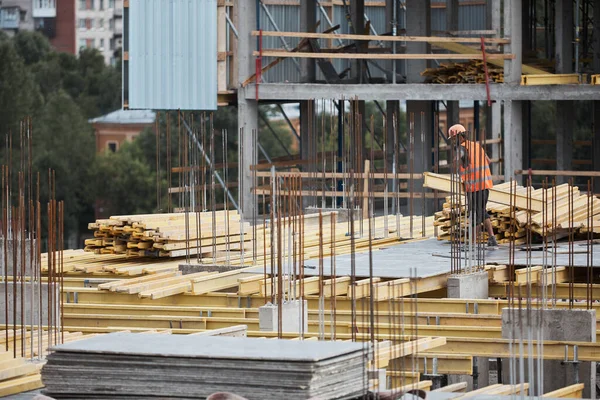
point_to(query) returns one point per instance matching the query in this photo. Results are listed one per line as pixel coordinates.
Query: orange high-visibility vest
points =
(477, 175)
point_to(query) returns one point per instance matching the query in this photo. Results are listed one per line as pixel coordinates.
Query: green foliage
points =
(126, 179)
(64, 141)
(61, 92)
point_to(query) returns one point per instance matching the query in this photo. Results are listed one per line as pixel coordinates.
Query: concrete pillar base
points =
(291, 320)
(563, 324)
(471, 286)
(468, 286)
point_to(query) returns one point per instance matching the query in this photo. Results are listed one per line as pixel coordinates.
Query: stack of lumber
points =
(166, 235)
(120, 365)
(544, 212)
(467, 72)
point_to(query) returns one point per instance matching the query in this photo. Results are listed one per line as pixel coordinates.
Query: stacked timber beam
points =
(231, 242)
(514, 210)
(166, 235)
(467, 72)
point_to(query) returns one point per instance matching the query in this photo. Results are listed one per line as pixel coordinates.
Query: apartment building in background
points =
(99, 25)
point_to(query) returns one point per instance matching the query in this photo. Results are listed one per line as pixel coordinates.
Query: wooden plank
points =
(369, 56)
(460, 387)
(383, 355)
(571, 392)
(461, 48)
(219, 281)
(382, 38)
(552, 79)
(20, 385)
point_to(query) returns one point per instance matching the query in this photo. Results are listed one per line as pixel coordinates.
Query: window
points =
(111, 24)
(91, 5)
(11, 14)
(82, 44)
(23, 15)
(89, 43)
(100, 4)
(101, 44)
(82, 4)
(112, 43)
(111, 3)
(100, 23)
(112, 146)
(81, 23)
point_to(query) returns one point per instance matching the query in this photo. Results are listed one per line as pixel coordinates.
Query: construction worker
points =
(474, 170)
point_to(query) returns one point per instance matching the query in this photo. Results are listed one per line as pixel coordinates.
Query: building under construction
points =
(351, 267)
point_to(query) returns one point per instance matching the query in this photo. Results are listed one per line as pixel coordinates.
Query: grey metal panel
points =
(287, 19)
(471, 17)
(173, 54)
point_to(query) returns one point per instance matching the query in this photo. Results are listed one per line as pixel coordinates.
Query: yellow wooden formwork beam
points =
(460, 387)
(310, 285)
(383, 354)
(501, 290)
(553, 79)
(595, 80)
(569, 392)
(219, 281)
(422, 385)
(506, 390)
(535, 274)
(398, 378)
(20, 385)
(453, 364)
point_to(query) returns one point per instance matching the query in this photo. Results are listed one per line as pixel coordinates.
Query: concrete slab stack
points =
(128, 365)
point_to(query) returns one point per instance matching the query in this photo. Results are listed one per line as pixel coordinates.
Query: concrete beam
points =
(416, 91)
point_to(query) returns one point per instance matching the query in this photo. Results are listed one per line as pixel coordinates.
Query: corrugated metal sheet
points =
(173, 54)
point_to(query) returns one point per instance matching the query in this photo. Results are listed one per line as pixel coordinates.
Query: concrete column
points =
(471, 286)
(513, 138)
(596, 143)
(357, 14)
(513, 124)
(308, 21)
(596, 52)
(392, 20)
(452, 107)
(563, 35)
(247, 109)
(558, 324)
(418, 23)
(306, 119)
(451, 15)
(565, 125)
(493, 127)
(392, 113)
(452, 114)
(526, 116)
(423, 127)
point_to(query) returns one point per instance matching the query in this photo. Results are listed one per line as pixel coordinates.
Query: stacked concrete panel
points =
(127, 365)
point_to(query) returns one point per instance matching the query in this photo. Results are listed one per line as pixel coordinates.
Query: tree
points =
(63, 141)
(32, 47)
(18, 92)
